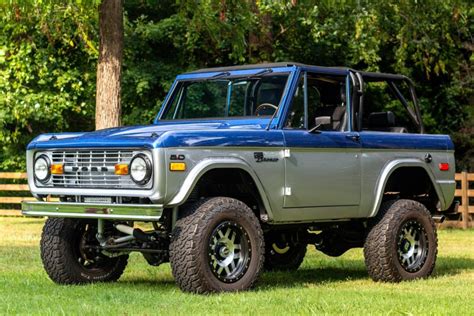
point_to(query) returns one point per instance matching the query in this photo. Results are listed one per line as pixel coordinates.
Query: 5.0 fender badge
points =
(177, 157)
(260, 157)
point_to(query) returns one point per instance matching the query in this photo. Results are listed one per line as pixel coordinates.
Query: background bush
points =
(48, 55)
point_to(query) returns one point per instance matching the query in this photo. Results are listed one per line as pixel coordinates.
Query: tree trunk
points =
(109, 68)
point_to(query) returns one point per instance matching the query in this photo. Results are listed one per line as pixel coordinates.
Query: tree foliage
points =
(48, 55)
(47, 74)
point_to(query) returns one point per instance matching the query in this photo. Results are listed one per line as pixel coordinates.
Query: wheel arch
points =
(208, 165)
(401, 165)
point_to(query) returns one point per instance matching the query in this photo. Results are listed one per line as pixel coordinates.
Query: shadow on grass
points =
(312, 275)
(268, 279)
(446, 266)
(313, 272)
(148, 282)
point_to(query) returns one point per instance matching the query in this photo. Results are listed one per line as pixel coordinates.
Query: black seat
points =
(337, 115)
(339, 118)
(333, 105)
(384, 122)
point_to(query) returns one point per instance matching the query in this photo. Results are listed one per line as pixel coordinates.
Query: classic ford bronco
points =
(242, 168)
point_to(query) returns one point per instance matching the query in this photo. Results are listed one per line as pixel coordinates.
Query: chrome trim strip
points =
(446, 181)
(140, 212)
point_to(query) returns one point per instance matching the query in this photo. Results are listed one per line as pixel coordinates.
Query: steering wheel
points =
(264, 106)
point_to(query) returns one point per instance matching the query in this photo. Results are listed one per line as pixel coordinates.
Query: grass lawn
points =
(323, 285)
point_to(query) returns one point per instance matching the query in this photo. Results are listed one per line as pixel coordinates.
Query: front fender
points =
(208, 164)
(387, 172)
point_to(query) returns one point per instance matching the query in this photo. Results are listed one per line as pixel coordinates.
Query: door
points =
(323, 168)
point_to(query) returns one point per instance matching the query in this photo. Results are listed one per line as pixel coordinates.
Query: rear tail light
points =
(444, 166)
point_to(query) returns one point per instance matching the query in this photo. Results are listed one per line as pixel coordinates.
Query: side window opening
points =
(384, 111)
(326, 104)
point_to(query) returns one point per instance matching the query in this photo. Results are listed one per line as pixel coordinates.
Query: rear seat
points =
(384, 122)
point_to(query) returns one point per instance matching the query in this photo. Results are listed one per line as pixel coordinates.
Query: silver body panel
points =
(302, 185)
(319, 178)
(378, 165)
(335, 190)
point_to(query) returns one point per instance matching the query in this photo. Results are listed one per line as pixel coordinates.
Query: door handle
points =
(353, 137)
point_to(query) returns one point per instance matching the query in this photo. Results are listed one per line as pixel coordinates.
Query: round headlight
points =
(140, 169)
(42, 168)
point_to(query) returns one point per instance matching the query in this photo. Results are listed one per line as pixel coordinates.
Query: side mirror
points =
(322, 123)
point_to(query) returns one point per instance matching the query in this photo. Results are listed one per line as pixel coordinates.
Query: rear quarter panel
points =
(382, 153)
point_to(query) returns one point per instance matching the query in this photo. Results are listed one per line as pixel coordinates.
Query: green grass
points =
(323, 285)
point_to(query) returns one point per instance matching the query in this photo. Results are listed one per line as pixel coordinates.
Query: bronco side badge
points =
(260, 157)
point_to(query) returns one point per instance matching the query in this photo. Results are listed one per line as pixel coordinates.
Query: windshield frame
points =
(233, 74)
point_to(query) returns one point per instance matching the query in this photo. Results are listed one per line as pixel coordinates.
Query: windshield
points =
(226, 97)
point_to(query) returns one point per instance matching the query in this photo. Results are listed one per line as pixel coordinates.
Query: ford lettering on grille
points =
(92, 169)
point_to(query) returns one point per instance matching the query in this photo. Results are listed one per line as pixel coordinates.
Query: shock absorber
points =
(100, 231)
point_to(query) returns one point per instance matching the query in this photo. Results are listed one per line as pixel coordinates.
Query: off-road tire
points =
(384, 241)
(283, 256)
(190, 247)
(59, 253)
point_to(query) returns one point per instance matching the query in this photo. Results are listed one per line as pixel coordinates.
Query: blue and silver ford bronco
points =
(242, 168)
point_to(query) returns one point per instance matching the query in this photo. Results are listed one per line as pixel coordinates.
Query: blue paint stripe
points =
(381, 140)
(139, 137)
(303, 139)
(224, 138)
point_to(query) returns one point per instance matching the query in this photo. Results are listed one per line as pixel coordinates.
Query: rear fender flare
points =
(387, 172)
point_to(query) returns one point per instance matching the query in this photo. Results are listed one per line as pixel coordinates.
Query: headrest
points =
(338, 113)
(381, 119)
(342, 92)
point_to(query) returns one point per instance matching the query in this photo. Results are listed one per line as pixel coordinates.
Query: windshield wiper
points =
(220, 75)
(256, 75)
(260, 73)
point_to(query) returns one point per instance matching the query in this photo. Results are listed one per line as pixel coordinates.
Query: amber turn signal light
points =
(177, 166)
(121, 169)
(57, 169)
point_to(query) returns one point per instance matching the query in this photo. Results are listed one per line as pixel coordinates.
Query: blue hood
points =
(167, 134)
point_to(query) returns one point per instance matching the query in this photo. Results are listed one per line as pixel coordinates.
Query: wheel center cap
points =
(224, 251)
(406, 245)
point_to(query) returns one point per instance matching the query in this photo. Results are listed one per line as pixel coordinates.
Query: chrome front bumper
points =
(138, 212)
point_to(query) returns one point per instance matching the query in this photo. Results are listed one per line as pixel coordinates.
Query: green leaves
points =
(46, 79)
(49, 49)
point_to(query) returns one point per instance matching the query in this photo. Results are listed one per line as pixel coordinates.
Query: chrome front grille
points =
(92, 169)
